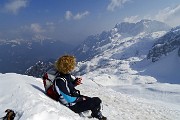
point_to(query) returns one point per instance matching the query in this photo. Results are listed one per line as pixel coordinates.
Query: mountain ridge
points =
(17, 55)
(90, 47)
(112, 54)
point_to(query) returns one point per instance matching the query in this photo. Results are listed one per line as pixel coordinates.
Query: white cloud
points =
(81, 15)
(50, 26)
(116, 3)
(40, 37)
(170, 15)
(132, 19)
(68, 15)
(15, 5)
(78, 16)
(39, 32)
(36, 28)
(49, 23)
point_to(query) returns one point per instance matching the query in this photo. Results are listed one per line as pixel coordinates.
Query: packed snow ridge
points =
(25, 95)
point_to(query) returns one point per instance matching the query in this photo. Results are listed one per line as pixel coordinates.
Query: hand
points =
(78, 81)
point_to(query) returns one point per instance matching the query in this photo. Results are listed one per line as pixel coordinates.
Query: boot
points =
(99, 116)
(102, 118)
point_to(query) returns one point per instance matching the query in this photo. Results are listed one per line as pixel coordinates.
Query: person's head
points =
(65, 64)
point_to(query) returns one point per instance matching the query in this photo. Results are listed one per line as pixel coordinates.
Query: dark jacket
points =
(65, 87)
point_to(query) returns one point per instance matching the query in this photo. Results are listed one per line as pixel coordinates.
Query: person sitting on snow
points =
(70, 97)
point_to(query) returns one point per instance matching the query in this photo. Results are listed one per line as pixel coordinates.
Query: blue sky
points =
(73, 20)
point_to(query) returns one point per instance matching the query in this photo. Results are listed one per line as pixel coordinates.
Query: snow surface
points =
(165, 70)
(25, 95)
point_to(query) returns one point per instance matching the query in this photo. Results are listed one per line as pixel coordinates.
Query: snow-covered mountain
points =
(25, 95)
(19, 54)
(118, 54)
(165, 55)
(113, 52)
(96, 44)
(39, 69)
(166, 44)
(145, 25)
(122, 64)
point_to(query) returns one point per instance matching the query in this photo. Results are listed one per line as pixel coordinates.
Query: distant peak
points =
(144, 25)
(146, 20)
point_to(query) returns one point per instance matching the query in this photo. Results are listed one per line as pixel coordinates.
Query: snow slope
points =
(25, 95)
(166, 70)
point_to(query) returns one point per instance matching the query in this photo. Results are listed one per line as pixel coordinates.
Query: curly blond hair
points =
(65, 64)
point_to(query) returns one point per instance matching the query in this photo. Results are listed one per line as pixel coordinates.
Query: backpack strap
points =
(56, 74)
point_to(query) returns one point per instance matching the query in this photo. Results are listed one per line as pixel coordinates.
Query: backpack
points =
(49, 84)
